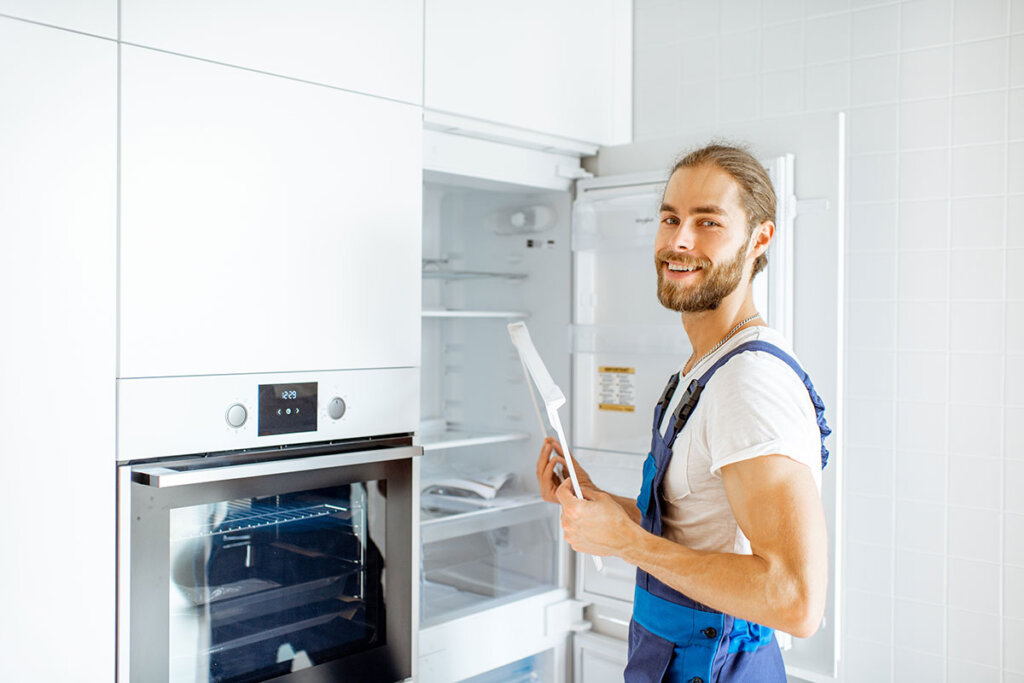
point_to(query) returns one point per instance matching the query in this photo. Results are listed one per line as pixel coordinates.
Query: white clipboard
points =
(551, 395)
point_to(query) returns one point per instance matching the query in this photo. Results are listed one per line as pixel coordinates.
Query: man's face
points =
(701, 248)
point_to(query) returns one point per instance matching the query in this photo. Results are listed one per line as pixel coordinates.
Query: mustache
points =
(685, 259)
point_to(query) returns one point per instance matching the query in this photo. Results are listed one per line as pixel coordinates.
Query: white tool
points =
(551, 395)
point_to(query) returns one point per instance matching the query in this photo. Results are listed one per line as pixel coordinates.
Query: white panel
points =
(372, 47)
(98, 17)
(568, 82)
(267, 225)
(57, 275)
(598, 659)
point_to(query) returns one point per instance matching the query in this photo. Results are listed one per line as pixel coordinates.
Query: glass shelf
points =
(439, 441)
(509, 511)
(470, 275)
(444, 313)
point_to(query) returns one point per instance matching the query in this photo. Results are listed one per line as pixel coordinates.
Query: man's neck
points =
(707, 328)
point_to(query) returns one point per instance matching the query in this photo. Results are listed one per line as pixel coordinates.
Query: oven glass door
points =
(254, 578)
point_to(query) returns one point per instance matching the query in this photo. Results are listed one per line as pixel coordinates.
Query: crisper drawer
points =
(477, 560)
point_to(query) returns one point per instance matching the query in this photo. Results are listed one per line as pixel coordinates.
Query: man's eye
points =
(708, 223)
(671, 220)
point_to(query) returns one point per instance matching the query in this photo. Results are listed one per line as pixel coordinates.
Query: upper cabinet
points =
(554, 68)
(98, 17)
(369, 47)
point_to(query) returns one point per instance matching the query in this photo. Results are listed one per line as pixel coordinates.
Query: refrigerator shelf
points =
(505, 513)
(444, 313)
(461, 439)
(470, 275)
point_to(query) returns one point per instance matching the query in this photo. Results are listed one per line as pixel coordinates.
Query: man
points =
(728, 534)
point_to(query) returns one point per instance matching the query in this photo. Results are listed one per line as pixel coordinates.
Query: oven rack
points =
(242, 517)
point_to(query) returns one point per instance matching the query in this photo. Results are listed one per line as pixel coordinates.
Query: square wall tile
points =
(872, 325)
(656, 24)
(817, 7)
(972, 638)
(1013, 592)
(921, 577)
(925, 123)
(1015, 221)
(979, 170)
(869, 423)
(874, 178)
(923, 275)
(910, 665)
(872, 275)
(868, 568)
(874, 80)
(827, 86)
(977, 378)
(1016, 106)
(974, 586)
(975, 430)
(869, 520)
(980, 66)
(1015, 327)
(773, 11)
(1015, 170)
(1014, 273)
(1013, 539)
(876, 30)
(1013, 653)
(920, 526)
(869, 471)
(980, 118)
(698, 60)
(924, 23)
(926, 73)
(870, 374)
(978, 222)
(872, 227)
(976, 327)
(974, 534)
(654, 109)
(1013, 445)
(959, 670)
(697, 108)
(698, 17)
(923, 376)
(920, 476)
(1017, 61)
(923, 326)
(867, 661)
(738, 54)
(782, 93)
(921, 426)
(920, 626)
(862, 616)
(782, 47)
(1013, 471)
(737, 99)
(924, 224)
(1017, 16)
(981, 19)
(977, 274)
(827, 39)
(874, 129)
(976, 481)
(924, 174)
(739, 15)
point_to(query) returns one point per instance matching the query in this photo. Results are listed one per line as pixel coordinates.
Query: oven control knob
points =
(336, 408)
(236, 415)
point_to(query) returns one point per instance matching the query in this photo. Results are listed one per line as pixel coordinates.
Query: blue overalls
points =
(671, 637)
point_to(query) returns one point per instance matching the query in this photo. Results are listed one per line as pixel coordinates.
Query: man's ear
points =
(762, 238)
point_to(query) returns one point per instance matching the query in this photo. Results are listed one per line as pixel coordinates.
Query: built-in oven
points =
(285, 560)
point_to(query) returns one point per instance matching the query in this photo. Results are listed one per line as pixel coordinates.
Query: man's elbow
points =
(803, 618)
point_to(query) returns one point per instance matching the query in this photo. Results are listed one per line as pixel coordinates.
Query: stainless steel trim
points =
(124, 562)
(165, 477)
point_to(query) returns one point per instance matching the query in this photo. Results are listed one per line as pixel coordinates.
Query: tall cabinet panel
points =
(98, 17)
(561, 68)
(370, 47)
(57, 362)
(224, 171)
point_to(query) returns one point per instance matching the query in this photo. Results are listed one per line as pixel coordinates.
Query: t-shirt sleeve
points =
(760, 407)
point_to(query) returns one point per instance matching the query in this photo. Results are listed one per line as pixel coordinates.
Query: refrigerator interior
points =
(492, 254)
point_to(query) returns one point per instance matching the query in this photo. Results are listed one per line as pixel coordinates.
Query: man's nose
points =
(682, 238)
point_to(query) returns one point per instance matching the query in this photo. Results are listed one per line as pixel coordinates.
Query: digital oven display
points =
(287, 408)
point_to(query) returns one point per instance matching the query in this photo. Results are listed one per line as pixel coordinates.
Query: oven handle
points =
(165, 477)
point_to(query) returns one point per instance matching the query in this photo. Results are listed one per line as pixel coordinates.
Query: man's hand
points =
(597, 525)
(547, 476)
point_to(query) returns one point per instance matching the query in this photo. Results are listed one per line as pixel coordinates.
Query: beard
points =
(719, 281)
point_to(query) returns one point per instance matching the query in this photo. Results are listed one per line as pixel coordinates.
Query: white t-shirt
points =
(753, 405)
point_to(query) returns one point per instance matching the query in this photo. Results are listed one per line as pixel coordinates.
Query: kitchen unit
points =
(519, 239)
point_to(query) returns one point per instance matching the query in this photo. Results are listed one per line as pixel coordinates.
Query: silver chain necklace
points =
(723, 340)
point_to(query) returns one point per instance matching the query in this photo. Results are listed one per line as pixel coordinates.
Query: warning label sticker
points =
(616, 389)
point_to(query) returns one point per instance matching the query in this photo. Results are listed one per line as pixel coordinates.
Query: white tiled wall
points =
(935, 431)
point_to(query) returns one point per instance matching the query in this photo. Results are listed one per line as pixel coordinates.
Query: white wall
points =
(934, 564)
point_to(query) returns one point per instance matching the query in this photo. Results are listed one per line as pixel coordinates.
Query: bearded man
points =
(728, 532)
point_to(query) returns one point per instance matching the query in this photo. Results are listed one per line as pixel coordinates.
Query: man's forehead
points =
(702, 186)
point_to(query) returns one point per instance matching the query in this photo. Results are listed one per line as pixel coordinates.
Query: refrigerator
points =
(502, 597)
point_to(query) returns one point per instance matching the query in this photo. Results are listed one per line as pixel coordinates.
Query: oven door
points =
(297, 568)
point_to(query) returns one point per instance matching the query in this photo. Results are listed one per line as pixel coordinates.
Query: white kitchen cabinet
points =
(98, 17)
(57, 362)
(556, 68)
(222, 169)
(369, 47)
